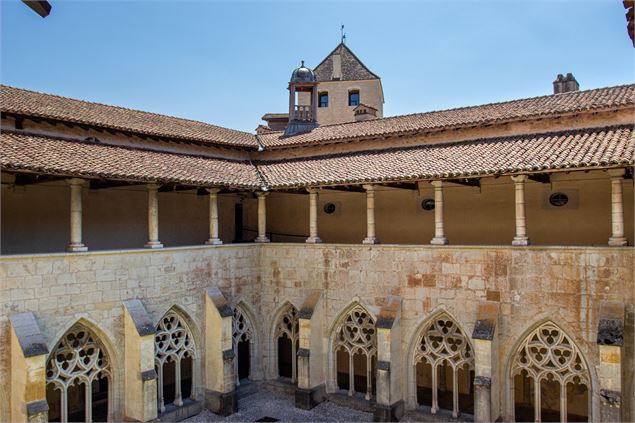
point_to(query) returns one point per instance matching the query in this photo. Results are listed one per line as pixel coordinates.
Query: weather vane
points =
(343, 34)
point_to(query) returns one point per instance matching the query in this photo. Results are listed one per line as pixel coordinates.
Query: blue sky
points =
(228, 63)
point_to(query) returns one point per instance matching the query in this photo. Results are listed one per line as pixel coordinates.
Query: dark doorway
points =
(285, 357)
(238, 222)
(186, 377)
(243, 360)
(100, 399)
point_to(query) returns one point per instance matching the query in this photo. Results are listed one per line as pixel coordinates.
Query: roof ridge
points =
(494, 139)
(340, 45)
(480, 105)
(124, 147)
(3, 86)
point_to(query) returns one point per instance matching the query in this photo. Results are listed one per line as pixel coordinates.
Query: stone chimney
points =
(565, 84)
(364, 112)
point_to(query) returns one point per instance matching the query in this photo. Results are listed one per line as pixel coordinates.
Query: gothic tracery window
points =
(550, 378)
(78, 372)
(443, 352)
(242, 336)
(355, 348)
(174, 351)
(287, 336)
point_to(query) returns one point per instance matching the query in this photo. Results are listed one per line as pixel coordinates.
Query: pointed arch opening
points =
(242, 341)
(443, 361)
(175, 352)
(79, 377)
(287, 341)
(355, 352)
(549, 378)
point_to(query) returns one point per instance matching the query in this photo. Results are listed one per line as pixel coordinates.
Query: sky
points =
(228, 63)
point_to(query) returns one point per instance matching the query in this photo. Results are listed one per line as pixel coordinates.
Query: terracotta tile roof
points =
(604, 147)
(549, 105)
(56, 156)
(31, 103)
(352, 68)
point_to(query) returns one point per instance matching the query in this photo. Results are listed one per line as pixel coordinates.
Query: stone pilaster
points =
(140, 377)
(519, 201)
(262, 217)
(390, 406)
(313, 221)
(371, 238)
(153, 217)
(213, 217)
(610, 340)
(485, 362)
(28, 370)
(439, 231)
(76, 244)
(220, 380)
(617, 238)
(311, 377)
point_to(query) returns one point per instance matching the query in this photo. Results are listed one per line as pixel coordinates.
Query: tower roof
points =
(352, 68)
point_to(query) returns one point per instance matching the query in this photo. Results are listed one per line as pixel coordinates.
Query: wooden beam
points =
(413, 186)
(470, 182)
(543, 178)
(105, 184)
(23, 179)
(348, 188)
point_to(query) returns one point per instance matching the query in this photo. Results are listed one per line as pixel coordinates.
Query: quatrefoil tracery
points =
(443, 340)
(173, 340)
(357, 333)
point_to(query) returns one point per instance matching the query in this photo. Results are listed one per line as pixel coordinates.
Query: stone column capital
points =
(519, 178)
(152, 187)
(75, 181)
(313, 190)
(369, 187)
(262, 194)
(213, 190)
(437, 183)
(617, 173)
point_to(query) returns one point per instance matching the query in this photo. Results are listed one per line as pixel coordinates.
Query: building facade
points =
(150, 265)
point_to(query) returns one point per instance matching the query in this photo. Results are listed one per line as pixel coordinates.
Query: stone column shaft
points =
(262, 217)
(521, 221)
(313, 224)
(153, 217)
(439, 232)
(371, 238)
(213, 217)
(76, 244)
(617, 209)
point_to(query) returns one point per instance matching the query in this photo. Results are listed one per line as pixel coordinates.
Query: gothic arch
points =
(244, 328)
(439, 340)
(291, 329)
(353, 332)
(175, 347)
(82, 354)
(547, 353)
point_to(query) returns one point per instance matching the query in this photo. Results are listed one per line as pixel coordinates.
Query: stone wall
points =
(528, 286)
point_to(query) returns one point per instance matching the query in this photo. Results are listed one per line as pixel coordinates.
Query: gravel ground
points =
(281, 406)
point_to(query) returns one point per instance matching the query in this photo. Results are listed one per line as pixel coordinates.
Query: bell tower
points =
(302, 101)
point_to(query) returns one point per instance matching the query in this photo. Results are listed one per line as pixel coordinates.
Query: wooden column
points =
(521, 221)
(76, 244)
(213, 217)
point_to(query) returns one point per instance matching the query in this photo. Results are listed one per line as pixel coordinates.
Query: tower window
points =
(323, 100)
(353, 98)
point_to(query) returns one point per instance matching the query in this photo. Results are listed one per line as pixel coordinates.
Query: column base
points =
(213, 241)
(388, 413)
(439, 241)
(221, 403)
(306, 399)
(263, 239)
(313, 240)
(153, 244)
(520, 241)
(617, 241)
(76, 248)
(370, 240)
